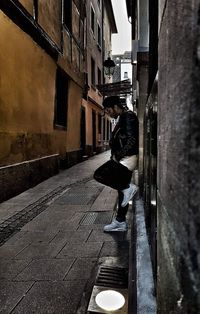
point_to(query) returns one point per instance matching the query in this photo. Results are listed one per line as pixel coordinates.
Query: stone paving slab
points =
(78, 236)
(55, 222)
(115, 248)
(61, 297)
(45, 269)
(82, 269)
(10, 269)
(39, 251)
(98, 235)
(28, 237)
(11, 293)
(10, 251)
(67, 208)
(105, 201)
(81, 250)
(91, 227)
(46, 217)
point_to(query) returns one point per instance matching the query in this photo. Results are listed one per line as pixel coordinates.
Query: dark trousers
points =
(118, 177)
(121, 211)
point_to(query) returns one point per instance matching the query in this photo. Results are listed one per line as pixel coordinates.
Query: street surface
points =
(52, 242)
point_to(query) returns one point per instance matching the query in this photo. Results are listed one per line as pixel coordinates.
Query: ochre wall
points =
(49, 17)
(27, 102)
(74, 117)
(27, 93)
(28, 5)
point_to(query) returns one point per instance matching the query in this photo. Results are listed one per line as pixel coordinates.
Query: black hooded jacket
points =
(125, 136)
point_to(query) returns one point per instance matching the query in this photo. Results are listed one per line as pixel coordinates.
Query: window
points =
(93, 81)
(61, 101)
(104, 129)
(35, 9)
(99, 76)
(67, 14)
(99, 123)
(99, 34)
(125, 75)
(92, 20)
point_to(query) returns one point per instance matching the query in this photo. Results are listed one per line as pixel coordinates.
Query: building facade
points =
(51, 60)
(123, 68)
(96, 128)
(41, 61)
(168, 107)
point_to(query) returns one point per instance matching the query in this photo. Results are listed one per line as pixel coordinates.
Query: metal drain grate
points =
(110, 276)
(97, 218)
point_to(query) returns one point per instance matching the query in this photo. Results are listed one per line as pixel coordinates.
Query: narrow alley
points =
(48, 263)
(83, 82)
(54, 246)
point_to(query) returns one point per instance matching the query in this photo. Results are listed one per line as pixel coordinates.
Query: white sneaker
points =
(116, 226)
(128, 194)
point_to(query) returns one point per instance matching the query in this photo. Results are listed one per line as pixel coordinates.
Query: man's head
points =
(113, 106)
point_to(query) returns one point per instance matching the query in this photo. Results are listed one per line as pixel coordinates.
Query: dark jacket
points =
(125, 136)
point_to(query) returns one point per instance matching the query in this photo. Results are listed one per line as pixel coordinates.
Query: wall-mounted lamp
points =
(109, 67)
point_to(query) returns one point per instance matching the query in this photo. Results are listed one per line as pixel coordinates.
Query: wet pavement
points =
(53, 244)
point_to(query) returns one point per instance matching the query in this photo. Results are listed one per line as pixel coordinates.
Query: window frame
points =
(92, 17)
(99, 75)
(99, 35)
(35, 10)
(93, 72)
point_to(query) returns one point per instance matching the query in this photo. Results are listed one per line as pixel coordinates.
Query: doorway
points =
(94, 130)
(83, 131)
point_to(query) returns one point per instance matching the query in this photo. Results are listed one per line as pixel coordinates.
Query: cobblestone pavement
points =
(52, 243)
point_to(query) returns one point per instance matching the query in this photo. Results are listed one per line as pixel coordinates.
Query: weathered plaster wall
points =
(74, 117)
(28, 5)
(92, 48)
(27, 92)
(179, 158)
(49, 17)
(30, 145)
(89, 125)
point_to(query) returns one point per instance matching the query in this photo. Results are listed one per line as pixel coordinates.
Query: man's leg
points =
(119, 223)
(128, 193)
(122, 211)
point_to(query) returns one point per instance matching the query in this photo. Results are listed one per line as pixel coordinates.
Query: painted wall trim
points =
(28, 161)
(16, 12)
